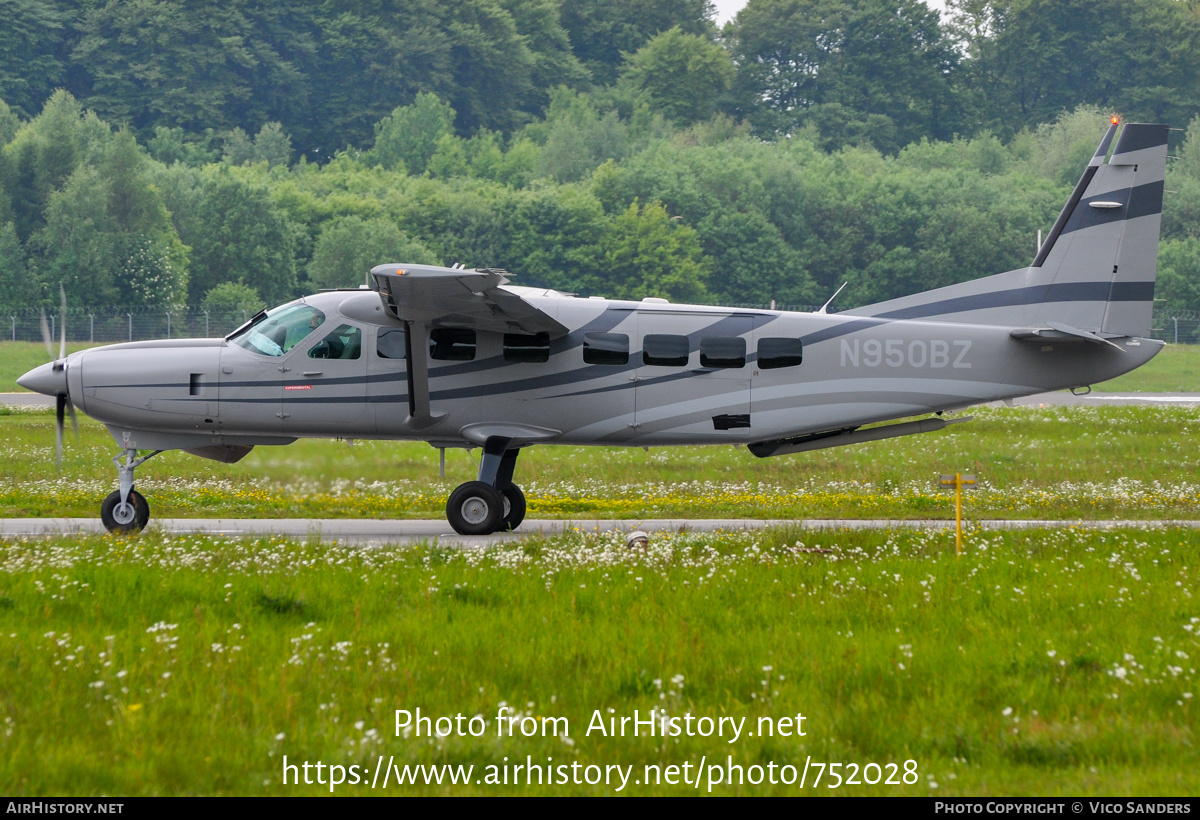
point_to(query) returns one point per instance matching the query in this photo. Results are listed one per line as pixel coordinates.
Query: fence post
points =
(168, 324)
(130, 315)
(206, 333)
(92, 328)
(1175, 319)
(14, 320)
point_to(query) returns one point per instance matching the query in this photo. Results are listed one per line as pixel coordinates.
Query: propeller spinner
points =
(51, 380)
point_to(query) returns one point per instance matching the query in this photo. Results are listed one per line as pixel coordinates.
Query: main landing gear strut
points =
(493, 503)
(126, 510)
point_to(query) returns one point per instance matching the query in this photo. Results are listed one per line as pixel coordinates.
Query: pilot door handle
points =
(312, 372)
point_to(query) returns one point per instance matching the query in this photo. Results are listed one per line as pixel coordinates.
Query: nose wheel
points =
(130, 516)
(126, 510)
(493, 503)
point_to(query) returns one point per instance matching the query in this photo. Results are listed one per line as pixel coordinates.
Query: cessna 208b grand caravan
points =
(460, 358)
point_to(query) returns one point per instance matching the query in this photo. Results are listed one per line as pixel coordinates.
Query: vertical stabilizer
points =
(1103, 250)
(1096, 269)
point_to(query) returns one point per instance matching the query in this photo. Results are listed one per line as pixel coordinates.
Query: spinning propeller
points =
(58, 371)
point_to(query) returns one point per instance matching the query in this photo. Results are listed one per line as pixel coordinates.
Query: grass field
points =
(1056, 662)
(1052, 463)
(1046, 662)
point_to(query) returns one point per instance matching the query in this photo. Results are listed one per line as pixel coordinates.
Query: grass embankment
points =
(18, 358)
(1038, 663)
(1175, 370)
(1056, 462)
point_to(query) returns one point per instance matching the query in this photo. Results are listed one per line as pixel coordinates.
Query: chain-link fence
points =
(116, 324)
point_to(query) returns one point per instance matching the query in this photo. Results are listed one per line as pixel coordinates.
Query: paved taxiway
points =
(378, 533)
(369, 532)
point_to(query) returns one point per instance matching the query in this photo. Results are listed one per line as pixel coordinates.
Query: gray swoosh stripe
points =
(1141, 200)
(1035, 295)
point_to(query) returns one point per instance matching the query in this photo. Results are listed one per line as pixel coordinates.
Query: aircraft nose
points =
(46, 380)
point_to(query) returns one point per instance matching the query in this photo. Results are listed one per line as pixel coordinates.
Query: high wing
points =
(452, 297)
(427, 296)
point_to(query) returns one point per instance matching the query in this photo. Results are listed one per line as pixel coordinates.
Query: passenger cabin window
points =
(390, 344)
(519, 347)
(345, 342)
(664, 350)
(776, 352)
(278, 330)
(605, 348)
(452, 344)
(722, 351)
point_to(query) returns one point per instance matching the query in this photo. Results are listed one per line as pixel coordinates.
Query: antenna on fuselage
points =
(825, 307)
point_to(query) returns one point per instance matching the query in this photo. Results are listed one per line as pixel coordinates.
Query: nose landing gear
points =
(126, 510)
(492, 503)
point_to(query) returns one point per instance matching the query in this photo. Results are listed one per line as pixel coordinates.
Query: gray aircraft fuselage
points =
(459, 357)
(854, 371)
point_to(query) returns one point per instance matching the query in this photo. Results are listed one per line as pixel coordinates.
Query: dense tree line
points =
(885, 71)
(242, 155)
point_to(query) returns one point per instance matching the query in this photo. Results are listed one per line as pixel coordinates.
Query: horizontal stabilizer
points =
(1058, 332)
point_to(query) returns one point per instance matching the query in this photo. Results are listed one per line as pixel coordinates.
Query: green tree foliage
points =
(646, 253)
(682, 75)
(1178, 282)
(107, 237)
(31, 51)
(1140, 58)
(15, 286)
(270, 145)
(556, 239)
(232, 298)
(875, 71)
(47, 150)
(169, 145)
(350, 247)
(235, 231)
(602, 32)
(9, 123)
(409, 136)
(576, 137)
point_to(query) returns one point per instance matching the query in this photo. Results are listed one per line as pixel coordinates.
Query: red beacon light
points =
(1116, 120)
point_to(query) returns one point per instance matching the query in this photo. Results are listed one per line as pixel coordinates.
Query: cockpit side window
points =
(279, 330)
(345, 342)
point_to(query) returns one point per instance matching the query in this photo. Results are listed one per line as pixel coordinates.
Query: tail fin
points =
(1096, 269)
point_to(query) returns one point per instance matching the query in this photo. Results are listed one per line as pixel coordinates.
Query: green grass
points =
(1048, 662)
(18, 358)
(1051, 463)
(1175, 370)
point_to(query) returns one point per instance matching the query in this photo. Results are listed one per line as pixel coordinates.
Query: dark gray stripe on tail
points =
(1140, 136)
(1141, 200)
(1065, 215)
(1037, 294)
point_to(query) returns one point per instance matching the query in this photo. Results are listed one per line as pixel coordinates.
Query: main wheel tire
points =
(514, 509)
(131, 517)
(475, 508)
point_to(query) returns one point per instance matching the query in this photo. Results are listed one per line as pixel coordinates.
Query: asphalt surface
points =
(378, 533)
(370, 532)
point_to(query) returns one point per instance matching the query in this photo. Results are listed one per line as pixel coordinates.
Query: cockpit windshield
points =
(278, 330)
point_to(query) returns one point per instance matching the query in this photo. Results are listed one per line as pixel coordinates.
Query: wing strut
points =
(420, 415)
